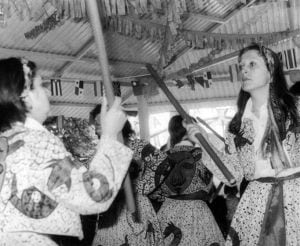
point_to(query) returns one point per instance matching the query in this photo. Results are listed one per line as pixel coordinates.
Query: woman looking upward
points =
(263, 145)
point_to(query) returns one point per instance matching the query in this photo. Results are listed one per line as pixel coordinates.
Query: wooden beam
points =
(230, 15)
(70, 80)
(51, 56)
(42, 55)
(95, 21)
(206, 65)
(127, 95)
(72, 104)
(157, 25)
(210, 101)
(134, 76)
(156, 104)
(178, 55)
(90, 81)
(230, 56)
(206, 17)
(215, 26)
(86, 47)
(218, 60)
(143, 22)
(143, 114)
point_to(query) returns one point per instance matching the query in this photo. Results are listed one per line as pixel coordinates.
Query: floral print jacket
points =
(43, 190)
(241, 162)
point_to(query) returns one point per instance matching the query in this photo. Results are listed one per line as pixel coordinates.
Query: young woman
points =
(185, 183)
(42, 191)
(263, 145)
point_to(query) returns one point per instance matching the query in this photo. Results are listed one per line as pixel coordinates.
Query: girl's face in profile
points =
(36, 96)
(41, 105)
(255, 74)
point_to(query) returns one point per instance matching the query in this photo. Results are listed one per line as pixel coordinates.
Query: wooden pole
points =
(211, 129)
(189, 119)
(143, 113)
(95, 21)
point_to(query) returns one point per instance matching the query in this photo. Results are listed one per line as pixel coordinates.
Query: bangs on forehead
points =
(259, 55)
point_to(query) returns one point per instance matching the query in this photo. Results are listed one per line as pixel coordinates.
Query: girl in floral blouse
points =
(185, 183)
(42, 191)
(263, 145)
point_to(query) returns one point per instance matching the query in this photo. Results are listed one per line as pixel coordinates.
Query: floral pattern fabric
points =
(151, 158)
(44, 191)
(183, 222)
(247, 222)
(188, 222)
(126, 231)
(78, 137)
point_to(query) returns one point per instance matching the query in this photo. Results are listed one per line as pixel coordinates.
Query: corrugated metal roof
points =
(58, 50)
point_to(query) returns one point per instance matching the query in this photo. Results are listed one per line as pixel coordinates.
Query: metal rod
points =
(189, 119)
(95, 21)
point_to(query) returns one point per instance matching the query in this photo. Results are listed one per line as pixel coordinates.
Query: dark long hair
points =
(282, 101)
(295, 88)
(176, 130)
(12, 84)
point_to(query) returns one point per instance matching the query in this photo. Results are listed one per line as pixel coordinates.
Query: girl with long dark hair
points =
(263, 145)
(185, 184)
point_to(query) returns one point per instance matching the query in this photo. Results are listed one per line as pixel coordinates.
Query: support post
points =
(143, 117)
(94, 19)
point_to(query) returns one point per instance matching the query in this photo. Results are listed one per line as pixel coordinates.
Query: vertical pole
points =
(143, 117)
(95, 21)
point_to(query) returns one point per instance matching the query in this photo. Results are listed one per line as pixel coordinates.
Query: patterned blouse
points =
(44, 192)
(242, 161)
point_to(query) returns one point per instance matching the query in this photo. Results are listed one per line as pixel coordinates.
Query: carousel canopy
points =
(192, 44)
